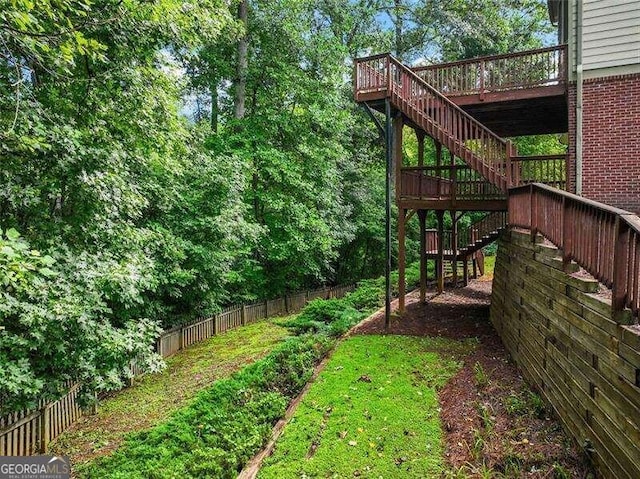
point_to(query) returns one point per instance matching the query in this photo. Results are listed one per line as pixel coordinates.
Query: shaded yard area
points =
(436, 396)
(154, 397)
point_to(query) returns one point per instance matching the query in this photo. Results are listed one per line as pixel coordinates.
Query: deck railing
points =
(548, 169)
(477, 76)
(440, 118)
(464, 183)
(459, 181)
(603, 240)
(469, 237)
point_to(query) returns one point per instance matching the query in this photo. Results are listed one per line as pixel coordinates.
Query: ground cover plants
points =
(372, 412)
(227, 423)
(154, 397)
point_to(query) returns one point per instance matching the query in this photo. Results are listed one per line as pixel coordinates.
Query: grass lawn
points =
(489, 266)
(155, 397)
(372, 412)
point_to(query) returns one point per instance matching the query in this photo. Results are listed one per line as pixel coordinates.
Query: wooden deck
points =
(495, 90)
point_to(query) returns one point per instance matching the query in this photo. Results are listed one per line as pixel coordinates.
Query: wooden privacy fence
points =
(29, 432)
(602, 239)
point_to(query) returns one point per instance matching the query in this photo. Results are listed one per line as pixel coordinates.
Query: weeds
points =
(480, 375)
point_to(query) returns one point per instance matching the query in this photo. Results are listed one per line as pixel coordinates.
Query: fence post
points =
(243, 315)
(180, 338)
(286, 304)
(45, 429)
(216, 324)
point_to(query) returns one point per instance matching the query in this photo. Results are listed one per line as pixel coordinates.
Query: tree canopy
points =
(135, 196)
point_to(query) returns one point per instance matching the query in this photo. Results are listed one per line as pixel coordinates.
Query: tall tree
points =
(241, 71)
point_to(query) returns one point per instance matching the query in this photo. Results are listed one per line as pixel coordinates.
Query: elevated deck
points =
(522, 93)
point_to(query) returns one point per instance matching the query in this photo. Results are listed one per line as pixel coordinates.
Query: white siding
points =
(610, 33)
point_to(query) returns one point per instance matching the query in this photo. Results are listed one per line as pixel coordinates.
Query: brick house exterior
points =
(611, 140)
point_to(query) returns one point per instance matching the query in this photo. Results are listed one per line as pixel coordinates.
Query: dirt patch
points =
(494, 424)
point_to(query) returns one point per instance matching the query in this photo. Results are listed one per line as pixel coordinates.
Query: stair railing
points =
(442, 119)
(603, 240)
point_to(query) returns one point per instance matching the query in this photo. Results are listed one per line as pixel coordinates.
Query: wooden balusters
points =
(604, 240)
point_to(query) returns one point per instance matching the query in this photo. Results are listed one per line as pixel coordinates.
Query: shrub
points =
(332, 316)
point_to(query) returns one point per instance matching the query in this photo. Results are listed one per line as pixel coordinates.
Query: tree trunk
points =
(214, 107)
(398, 11)
(241, 78)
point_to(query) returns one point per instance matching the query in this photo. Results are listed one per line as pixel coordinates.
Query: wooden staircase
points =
(438, 117)
(468, 240)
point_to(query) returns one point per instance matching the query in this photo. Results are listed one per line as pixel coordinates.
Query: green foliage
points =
(480, 375)
(56, 327)
(225, 425)
(334, 316)
(525, 403)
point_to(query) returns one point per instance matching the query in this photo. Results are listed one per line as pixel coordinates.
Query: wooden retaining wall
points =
(568, 345)
(29, 432)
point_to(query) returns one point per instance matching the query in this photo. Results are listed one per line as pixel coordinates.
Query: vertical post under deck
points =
(387, 272)
(454, 246)
(440, 262)
(401, 259)
(396, 159)
(422, 218)
(465, 274)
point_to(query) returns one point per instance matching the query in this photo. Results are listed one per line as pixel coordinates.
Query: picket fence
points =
(29, 432)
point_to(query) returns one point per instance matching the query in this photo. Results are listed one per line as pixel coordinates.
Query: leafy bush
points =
(57, 327)
(369, 295)
(332, 316)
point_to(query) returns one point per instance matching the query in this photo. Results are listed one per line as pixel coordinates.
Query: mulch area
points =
(492, 421)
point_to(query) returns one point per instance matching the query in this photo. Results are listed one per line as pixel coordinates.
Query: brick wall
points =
(611, 140)
(565, 342)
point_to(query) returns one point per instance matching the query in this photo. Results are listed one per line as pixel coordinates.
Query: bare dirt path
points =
(495, 425)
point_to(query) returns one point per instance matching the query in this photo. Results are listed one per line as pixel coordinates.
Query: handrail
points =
(469, 238)
(480, 75)
(499, 56)
(442, 119)
(606, 243)
(457, 182)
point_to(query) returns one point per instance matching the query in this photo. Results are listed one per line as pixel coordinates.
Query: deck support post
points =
(454, 246)
(422, 217)
(465, 274)
(440, 261)
(389, 161)
(398, 124)
(401, 259)
(474, 260)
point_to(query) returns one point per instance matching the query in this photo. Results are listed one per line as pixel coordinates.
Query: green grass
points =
(154, 397)
(489, 265)
(372, 412)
